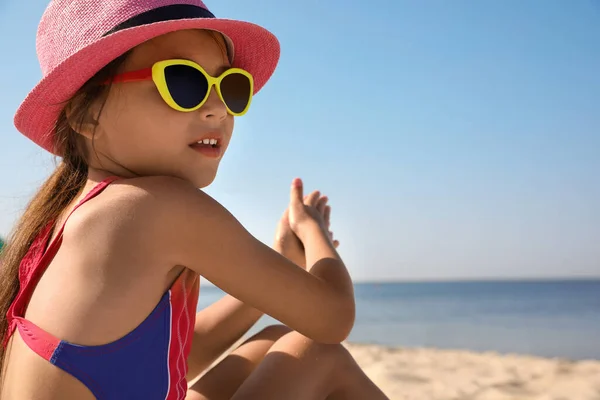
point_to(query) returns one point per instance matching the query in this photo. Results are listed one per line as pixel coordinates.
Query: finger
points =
(312, 198)
(321, 203)
(331, 235)
(336, 244)
(285, 216)
(296, 191)
(327, 215)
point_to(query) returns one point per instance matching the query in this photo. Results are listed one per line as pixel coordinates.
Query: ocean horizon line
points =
(206, 283)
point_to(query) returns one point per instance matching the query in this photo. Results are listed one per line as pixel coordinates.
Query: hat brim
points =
(255, 49)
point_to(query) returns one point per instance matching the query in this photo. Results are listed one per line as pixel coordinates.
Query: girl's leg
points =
(295, 367)
(222, 381)
(280, 364)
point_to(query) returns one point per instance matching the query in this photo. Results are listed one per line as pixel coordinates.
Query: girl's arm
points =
(197, 232)
(219, 326)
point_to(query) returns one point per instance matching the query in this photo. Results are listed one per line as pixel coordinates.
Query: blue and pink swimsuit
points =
(149, 362)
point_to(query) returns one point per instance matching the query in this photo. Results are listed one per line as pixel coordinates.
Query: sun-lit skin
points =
(138, 134)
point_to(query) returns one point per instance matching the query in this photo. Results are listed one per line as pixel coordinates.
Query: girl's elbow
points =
(346, 323)
(340, 324)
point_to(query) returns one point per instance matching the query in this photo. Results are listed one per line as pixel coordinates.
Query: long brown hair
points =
(61, 188)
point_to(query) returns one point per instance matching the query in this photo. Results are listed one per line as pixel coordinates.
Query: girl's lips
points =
(215, 135)
(207, 150)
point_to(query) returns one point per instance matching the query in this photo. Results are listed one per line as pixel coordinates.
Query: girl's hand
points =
(286, 241)
(308, 212)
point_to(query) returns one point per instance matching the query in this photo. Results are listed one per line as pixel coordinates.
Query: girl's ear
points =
(83, 120)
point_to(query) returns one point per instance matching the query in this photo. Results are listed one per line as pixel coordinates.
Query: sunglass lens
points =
(187, 85)
(236, 90)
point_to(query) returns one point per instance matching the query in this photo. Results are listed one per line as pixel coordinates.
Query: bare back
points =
(104, 280)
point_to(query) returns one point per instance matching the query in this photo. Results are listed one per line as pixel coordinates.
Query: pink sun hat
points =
(77, 38)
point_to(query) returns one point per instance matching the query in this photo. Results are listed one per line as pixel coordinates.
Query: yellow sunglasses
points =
(185, 85)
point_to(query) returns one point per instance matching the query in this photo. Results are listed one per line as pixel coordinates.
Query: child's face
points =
(138, 132)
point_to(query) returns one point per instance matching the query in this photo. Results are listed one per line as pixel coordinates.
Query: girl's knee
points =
(272, 332)
(300, 345)
(286, 340)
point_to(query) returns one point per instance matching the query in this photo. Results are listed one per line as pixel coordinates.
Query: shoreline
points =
(358, 344)
(430, 373)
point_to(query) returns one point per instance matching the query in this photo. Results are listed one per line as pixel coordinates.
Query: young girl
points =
(100, 279)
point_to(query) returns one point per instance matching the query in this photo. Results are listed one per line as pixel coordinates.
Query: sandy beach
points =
(432, 374)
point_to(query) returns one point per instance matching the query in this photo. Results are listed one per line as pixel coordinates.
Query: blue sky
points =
(456, 139)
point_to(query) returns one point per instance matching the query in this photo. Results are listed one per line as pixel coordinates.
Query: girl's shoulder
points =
(131, 219)
(143, 196)
(147, 208)
(157, 188)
